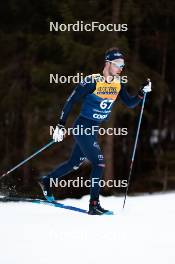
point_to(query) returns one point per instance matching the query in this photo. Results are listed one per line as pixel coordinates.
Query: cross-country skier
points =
(98, 93)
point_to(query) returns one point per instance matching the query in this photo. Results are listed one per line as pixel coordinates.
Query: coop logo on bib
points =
(99, 116)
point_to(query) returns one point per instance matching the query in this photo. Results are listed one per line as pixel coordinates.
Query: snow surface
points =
(144, 232)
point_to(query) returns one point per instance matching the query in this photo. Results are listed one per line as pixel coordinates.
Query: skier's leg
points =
(73, 163)
(91, 149)
(75, 160)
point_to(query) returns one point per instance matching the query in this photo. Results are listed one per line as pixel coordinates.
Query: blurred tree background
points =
(29, 104)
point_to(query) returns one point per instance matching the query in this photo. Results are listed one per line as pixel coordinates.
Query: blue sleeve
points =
(80, 91)
(130, 101)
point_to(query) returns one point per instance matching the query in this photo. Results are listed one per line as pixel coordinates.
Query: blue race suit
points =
(98, 98)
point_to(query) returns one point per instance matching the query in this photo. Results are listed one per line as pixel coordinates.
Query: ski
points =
(67, 207)
(61, 205)
(45, 202)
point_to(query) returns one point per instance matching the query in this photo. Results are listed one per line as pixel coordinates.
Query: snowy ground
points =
(144, 232)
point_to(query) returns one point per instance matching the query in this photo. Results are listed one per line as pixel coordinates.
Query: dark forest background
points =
(29, 104)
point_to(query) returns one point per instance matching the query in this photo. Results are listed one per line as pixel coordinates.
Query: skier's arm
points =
(80, 91)
(130, 101)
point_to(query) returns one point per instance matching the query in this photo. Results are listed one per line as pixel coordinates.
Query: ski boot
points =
(44, 183)
(96, 209)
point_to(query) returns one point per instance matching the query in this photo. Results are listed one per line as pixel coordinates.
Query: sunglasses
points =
(117, 64)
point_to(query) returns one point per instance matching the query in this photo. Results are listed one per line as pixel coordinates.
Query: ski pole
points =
(134, 150)
(29, 158)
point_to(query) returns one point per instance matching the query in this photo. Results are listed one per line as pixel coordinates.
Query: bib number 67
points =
(106, 104)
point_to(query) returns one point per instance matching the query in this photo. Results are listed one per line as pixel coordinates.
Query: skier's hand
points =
(145, 88)
(59, 133)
